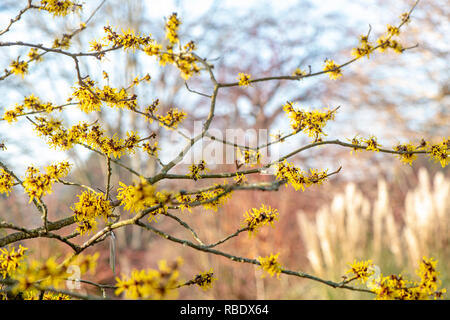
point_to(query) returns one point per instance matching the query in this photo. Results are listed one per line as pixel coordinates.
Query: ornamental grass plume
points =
(352, 226)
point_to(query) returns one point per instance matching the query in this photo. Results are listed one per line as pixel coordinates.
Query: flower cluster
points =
(244, 79)
(439, 152)
(372, 144)
(34, 55)
(30, 103)
(42, 274)
(38, 184)
(385, 41)
(142, 195)
(256, 218)
(271, 265)
(406, 156)
(127, 39)
(312, 122)
(184, 59)
(152, 150)
(297, 178)
(240, 178)
(211, 199)
(113, 146)
(137, 196)
(397, 286)
(172, 119)
(184, 202)
(89, 134)
(29, 278)
(429, 281)
(59, 7)
(172, 26)
(249, 157)
(196, 169)
(90, 205)
(47, 296)
(299, 73)
(10, 259)
(151, 283)
(361, 270)
(356, 141)
(333, 69)
(6, 182)
(364, 49)
(19, 67)
(204, 280)
(63, 42)
(136, 80)
(36, 276)
(90, 97)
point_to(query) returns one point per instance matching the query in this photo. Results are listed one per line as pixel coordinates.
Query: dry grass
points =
(353, 227)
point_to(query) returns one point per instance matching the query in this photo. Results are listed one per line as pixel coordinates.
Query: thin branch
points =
(185, 225)
(17, 18)
(193, 91)
(36, 233)
(246, 260)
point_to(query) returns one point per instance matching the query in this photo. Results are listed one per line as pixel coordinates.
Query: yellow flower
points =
(152, 150)
(10, 260)
(96, 46)
(151, 284)
(184, 202)
(256, 218)
(249, 157)
(172, 119)
(270, 265)
(244, 79)
(364, 49)
(392, 31)
(297, 178)
(298, 73)
(440, 152)
(332, 69)
(196, 169)
(38, 184)
(172, 26)
(90, 206)
(311, 122)
(63, 43)
(19, 67)
(6, 182)
(153, 49)
(34, 55)
(139, 196)
(356, 142)
(55, 296)
(406, 156)
(372, 144)
(213, 199)
(59, 7)
(362, 270)
(240, 178)
(429, 280)
(88, 102)
(204, 280)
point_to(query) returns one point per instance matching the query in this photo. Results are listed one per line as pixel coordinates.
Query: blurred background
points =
(376, 208)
